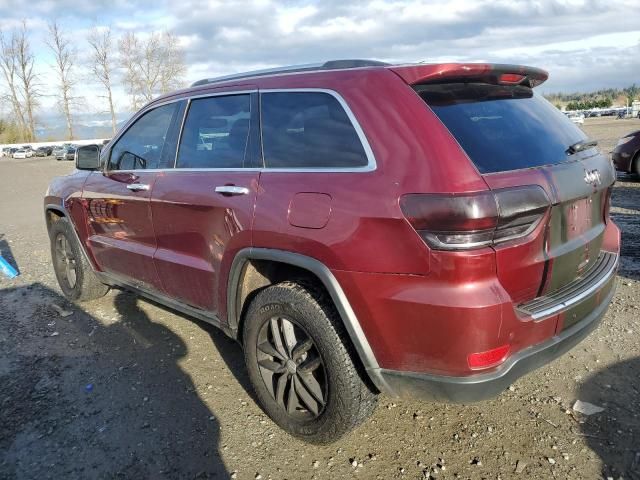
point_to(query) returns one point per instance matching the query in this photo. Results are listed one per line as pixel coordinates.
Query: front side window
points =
(141, 146)
(216, 133)
(308, 130)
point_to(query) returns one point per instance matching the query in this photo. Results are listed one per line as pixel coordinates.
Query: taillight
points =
(466, 221)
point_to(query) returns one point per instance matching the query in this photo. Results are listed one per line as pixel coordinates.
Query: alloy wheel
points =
(66, 263)
(292, 368)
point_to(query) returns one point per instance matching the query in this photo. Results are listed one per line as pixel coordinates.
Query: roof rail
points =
(330, 65)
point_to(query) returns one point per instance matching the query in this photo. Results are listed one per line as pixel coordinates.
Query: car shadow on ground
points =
(628, 220)
(97, 397)
(230, 350)
(626, 197)
(614, 434)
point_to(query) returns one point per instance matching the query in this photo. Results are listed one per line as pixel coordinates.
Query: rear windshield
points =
(502, 127)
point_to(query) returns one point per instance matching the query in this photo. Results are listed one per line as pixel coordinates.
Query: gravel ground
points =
(124, 388)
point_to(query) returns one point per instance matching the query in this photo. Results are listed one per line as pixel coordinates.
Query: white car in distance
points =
(576, 118)
(22, 153)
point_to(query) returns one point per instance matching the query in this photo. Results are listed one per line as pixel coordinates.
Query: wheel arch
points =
(634, 166)
(256, 268)
(53, 213)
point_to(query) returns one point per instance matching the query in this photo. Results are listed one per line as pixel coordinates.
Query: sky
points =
(584, 44)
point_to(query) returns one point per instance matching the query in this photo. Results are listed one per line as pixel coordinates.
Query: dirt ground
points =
(124, 388)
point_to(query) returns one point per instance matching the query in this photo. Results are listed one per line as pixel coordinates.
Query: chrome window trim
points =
(179, 140)
(371, 160)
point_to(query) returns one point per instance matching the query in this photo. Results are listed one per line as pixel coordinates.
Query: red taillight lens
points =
(488, 359)
(462, 222)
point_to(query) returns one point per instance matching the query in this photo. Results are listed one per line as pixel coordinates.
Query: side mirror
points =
(87, 157)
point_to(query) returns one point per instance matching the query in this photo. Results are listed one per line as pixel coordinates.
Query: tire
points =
(635, 165)
(75, 276)
(331, 397)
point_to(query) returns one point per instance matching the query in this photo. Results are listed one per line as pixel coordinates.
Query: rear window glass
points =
(308, 130)
(502, 127)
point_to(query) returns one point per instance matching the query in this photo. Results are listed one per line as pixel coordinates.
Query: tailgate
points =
(516, 138)
(569, 243)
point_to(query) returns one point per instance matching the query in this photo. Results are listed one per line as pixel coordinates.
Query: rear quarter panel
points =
(366, 230)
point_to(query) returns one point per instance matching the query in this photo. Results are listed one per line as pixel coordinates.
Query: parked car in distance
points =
(43, 151)
(626, 154)
(22, 153)
(576, 118)
(438, 241)
(58, 148)
(66, 152)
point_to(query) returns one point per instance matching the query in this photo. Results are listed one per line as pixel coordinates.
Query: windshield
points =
(502, 127)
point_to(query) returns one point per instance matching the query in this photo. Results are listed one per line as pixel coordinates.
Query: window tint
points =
(502, 128)
(308, 130)
(141, 146)
(216, 133)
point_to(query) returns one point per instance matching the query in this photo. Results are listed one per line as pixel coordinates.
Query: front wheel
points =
(301, 365)
(75, 276)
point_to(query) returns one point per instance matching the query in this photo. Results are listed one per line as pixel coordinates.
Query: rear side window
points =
(216, 133)
(308, 130)
(502, 128)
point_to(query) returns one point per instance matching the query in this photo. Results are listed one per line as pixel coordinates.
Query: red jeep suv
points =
(435, 230)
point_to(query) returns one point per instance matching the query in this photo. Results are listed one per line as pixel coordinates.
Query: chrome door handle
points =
(136, 187)
(232, 190)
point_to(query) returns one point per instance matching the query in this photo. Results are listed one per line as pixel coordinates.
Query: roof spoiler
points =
(493, 73)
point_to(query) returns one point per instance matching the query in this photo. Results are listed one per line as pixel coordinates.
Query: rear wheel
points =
(75, 276)
(300, 365)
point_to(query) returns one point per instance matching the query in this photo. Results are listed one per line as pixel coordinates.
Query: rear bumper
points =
(483, 386)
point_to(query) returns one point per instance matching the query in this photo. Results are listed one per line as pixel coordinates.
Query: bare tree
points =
(65, 56)
(9, 67)
(102, 64)
(152, 66)
(174, 68)
(129, 48)
(29, 79)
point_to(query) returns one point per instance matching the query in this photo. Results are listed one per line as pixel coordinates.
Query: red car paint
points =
(422, 310)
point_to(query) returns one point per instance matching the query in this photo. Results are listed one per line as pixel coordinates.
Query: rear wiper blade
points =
(580, 146)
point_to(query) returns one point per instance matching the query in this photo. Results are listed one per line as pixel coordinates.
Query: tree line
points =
(602, 98)
(144, 65)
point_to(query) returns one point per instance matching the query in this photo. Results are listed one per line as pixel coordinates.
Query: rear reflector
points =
(487, 359)
(462, 222)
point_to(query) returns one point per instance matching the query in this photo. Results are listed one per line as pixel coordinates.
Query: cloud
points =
(585, 44)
